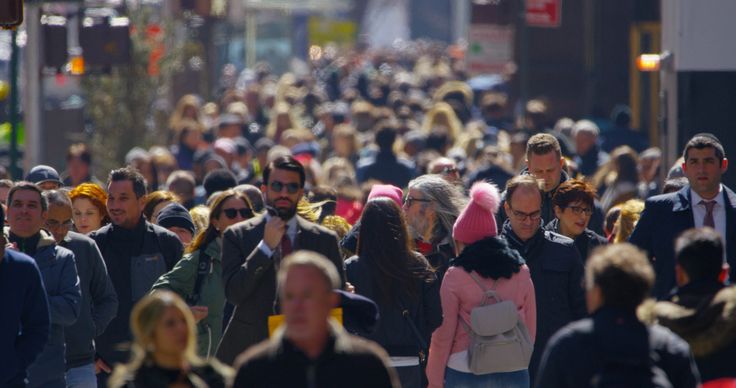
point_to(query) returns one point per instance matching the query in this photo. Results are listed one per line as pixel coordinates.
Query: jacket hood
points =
(708, 327)
(491, 257)
(46, 238)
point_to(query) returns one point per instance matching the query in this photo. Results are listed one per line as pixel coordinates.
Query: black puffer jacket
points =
(393, 332)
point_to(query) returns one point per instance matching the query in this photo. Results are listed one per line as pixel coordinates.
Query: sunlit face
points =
(59, 221)
(584, 141)
(234, 207)
(25, 214)
(574, 218)
(123, 207)
(156, 210)
(703, 170)
(547, 167)
(524, 210)
(184, 235)
(419, 214)
(171, 335)
(87, 217)
(278, 191)
(306, 301)
(4, 195)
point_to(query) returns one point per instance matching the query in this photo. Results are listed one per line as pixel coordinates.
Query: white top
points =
(719, 212)
(291, 229)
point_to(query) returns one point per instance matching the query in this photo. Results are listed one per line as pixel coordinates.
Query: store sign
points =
(490, 48)
(544, 13)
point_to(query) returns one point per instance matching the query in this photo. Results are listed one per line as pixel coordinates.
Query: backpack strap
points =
(203, 269)
(487, 292)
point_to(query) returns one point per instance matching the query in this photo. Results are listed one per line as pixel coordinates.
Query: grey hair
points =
(57, 198)
(585, 126)
(447, 199)
(310, 259)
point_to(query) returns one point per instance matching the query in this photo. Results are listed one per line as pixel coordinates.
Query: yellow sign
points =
(323, 31)
(274, 321)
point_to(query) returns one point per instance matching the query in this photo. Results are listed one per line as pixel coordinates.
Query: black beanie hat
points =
(174, 214)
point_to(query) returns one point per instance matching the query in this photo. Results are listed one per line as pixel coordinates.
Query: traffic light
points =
(11, 13)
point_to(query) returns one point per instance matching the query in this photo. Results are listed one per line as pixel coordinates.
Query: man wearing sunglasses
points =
(554, 262)
(252, 251)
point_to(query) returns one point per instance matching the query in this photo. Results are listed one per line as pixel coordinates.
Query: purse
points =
(499, 340)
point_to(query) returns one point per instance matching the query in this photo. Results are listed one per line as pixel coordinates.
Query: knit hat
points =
(478, 221)
(388, 191)
(174, 214)
(43, 173)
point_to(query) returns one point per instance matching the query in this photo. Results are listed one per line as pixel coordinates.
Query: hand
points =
(275, 229)
(199, 312)
(101, 366)
(11, 245)
(349, 288)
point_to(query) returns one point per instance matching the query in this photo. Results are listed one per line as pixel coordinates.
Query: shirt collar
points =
(697, 198)
(291, 225)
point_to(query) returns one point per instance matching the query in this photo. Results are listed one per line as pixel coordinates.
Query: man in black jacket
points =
(99, 302)
(553, 260)
(310, 349)
(701, 311)
(612, 348)
(136, 253)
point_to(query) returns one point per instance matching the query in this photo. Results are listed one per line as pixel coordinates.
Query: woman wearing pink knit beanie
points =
(489, 259)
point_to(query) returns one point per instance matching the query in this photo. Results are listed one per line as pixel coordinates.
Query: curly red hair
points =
(96, 194)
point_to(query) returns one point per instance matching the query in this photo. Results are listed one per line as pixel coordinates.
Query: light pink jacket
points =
(459, 294)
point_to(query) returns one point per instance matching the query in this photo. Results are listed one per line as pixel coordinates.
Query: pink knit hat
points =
(478, 221)
(389, 191)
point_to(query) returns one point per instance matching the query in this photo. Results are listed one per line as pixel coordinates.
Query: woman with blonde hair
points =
(443, 116)
(206, 293)
(89, 207)
(156, 201)
(164, 349)
(630, 214)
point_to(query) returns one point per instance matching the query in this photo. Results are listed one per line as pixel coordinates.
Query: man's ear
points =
(558, 211)
(724, 165)
(562, 162)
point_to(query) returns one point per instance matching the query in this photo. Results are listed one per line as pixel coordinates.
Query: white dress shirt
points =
(719, 212)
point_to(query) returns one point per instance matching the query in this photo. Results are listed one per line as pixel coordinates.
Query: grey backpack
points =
(499, 340)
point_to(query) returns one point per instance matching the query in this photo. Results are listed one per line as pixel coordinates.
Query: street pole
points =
(524, 60)
(15, 172)
(33, 106)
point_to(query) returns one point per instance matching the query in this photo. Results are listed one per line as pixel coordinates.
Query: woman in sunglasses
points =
(573, 205)
(197, 277)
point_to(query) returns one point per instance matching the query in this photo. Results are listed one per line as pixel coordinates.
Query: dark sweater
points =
(23, 304)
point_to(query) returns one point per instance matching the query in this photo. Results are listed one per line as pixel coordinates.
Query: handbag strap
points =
(423, 348)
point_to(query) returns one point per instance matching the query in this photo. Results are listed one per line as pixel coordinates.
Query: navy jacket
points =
(557, 273)
(59, 273)
(615, 349)
(24, 305)
(664, 218)
(99, 301)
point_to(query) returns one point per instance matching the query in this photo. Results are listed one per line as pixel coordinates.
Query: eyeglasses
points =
(291, 188)
(577, 210)
(231, 213)
(53, 224)
(409, 199)
(521, 216)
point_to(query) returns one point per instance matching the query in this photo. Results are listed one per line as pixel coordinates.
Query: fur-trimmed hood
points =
(491, 257)
(708, 327)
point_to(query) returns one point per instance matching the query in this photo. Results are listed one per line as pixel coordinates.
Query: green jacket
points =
(181, 280)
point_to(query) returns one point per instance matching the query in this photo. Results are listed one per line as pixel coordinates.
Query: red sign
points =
(544, 13)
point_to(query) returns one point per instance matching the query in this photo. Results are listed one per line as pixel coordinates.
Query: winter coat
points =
(181, 280)
(585, 242)
(394, 332)
(59, 273)
(613, 348)
(557, 273)
(99, 302)
(387, 168)
(24, 304)
(490, 259)
(703, 314)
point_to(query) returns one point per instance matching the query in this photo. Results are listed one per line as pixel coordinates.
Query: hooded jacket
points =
(59, 273)
(703, 314)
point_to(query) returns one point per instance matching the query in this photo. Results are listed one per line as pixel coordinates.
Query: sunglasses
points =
(53, 224)
(291, 188)
(409, 200)
(244, 212)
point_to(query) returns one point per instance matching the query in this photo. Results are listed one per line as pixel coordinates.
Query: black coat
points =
(386, 168)
(613, 345)
(663, 219)
(585, 242)
(394, 332)
(557, 273)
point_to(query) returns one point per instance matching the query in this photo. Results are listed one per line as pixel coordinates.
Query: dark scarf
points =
(491, 257)
(27, 245)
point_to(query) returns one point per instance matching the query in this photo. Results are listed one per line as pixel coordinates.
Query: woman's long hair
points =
(206, 236)
(385, 244)
(146, 315)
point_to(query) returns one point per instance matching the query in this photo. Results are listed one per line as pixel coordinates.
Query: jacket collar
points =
(683, 199)
(338, 341)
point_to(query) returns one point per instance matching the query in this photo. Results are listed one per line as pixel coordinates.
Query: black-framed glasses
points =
(577, 210)
(409, 200)
(53, 224)
(291, 188)
(521, 216)
(231, 213)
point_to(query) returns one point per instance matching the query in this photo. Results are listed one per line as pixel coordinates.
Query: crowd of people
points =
(462, 246)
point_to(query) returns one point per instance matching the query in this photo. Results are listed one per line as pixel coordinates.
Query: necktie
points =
(286, 247)
(708, 219)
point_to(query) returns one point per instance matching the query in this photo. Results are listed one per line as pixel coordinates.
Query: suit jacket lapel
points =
(683, 210)
(729, 199)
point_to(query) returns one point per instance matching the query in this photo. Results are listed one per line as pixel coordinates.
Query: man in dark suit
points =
(252, 251)
(703, 202)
